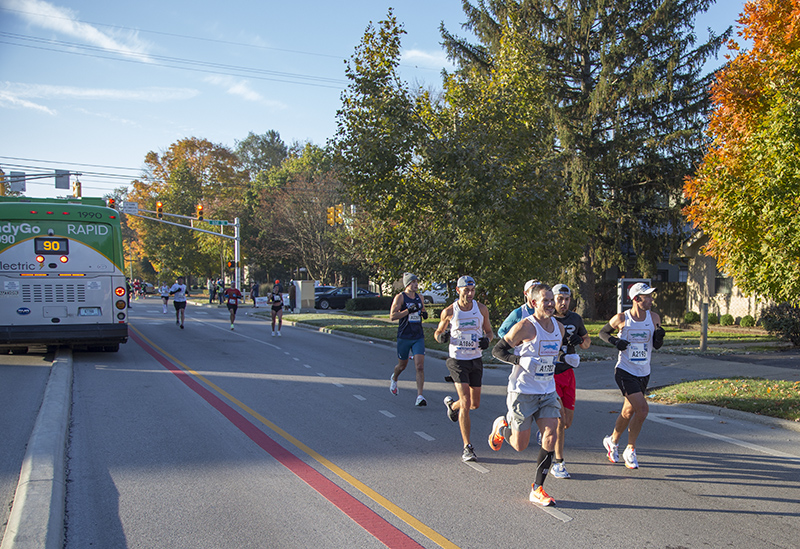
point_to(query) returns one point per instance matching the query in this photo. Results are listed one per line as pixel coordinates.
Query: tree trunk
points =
(586, 285)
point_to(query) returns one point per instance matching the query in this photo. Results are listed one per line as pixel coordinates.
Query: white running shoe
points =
(279, 333)
(612, 450)
(559, 471)
(393, 385)
(629, 455)
(273, 334)
(421, 401)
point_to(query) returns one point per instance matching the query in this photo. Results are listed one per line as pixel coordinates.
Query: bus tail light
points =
(120, 304)
(119, 290)
(40, 258)
(63, 259)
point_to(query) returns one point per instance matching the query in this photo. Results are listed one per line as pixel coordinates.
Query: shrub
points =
(747, 321)
(713, 319)
(784, 321)
(380, 303)
(691, 318)
(726, 320)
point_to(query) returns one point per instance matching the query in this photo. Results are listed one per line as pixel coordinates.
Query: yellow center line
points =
(409, 519)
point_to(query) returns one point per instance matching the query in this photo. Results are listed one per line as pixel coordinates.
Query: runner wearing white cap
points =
(465, 324)
(640, 332)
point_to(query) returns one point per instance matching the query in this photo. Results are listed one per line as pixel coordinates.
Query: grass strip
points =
(767, 397)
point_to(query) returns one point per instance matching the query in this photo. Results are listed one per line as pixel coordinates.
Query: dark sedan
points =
(336, 298)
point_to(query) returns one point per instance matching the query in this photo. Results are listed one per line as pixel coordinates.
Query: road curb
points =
(37, 515)
(746, 416)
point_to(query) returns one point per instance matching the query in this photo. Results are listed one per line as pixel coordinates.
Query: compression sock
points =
(544, 461)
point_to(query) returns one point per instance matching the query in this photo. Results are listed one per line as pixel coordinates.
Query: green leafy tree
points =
(460, 185)
(746, 195)
(258, 153)
(627, 101)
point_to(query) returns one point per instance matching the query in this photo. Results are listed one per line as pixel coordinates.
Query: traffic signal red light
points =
(199, 212)
(159, 210)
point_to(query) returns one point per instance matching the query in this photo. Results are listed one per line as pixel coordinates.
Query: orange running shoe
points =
(495, 438)
(540, 497)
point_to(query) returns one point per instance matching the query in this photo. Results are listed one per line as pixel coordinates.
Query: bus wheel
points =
(19, 350)
(111, 348)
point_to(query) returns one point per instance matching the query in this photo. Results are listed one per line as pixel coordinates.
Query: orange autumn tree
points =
(746, 194)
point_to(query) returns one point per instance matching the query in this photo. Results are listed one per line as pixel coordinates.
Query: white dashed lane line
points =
(387, 413)
(359, 397)
(424, 435)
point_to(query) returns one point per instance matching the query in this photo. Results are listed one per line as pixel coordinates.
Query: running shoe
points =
(629, 455)
(273, 334)
(231, 326)
(181, 326)
(540, 497)
(539, 438)
(421, 401)
(612, 449)
(558, 470)
(452, 415)
(469, 454)
(393, 385)
(279, 333)
(495, 438)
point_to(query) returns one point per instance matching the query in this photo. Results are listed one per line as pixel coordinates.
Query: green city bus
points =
(62, 277)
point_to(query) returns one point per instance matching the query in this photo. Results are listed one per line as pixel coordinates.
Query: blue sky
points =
(92, 86)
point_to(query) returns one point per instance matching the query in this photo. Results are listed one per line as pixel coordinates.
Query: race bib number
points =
(637, 351)
(466, 342)
(414, 317)
(546, 366)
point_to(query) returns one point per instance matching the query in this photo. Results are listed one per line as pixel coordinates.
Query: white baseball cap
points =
(530, 283)
(640, 288)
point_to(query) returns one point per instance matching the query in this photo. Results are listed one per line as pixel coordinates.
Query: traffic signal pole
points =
(237, 239)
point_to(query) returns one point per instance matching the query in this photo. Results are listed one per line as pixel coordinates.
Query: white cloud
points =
(64, 21)
(45, 91)
(10, 100)
(426, 60)
(241, 88)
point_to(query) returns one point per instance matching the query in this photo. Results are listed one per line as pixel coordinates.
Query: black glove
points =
(573, 339)
(620, 344)
(444, 337)
(413, 307)
(658, 337)
(424, 315)
(483, 342)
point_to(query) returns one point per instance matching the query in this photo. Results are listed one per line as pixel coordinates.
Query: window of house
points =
(683, 274)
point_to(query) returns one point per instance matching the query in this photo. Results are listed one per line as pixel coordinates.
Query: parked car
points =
(322, 289)
(337, 297)
(436, 294)
(148, 288)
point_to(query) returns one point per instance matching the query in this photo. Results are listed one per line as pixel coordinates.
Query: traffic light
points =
(331, 216)
(337, 218)
(199, 212)
(112, 203)
(231, 264)
(159, 210)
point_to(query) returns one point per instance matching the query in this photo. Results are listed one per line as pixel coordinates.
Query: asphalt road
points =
(22, 382)
(204, 437)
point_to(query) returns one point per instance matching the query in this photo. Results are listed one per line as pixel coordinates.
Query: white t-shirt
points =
(179, 292)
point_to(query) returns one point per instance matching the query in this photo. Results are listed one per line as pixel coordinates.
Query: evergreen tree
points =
(628, 101)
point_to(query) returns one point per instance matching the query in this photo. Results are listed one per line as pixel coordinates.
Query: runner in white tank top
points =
(531, 387)
(640, 332)
(465, 324)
